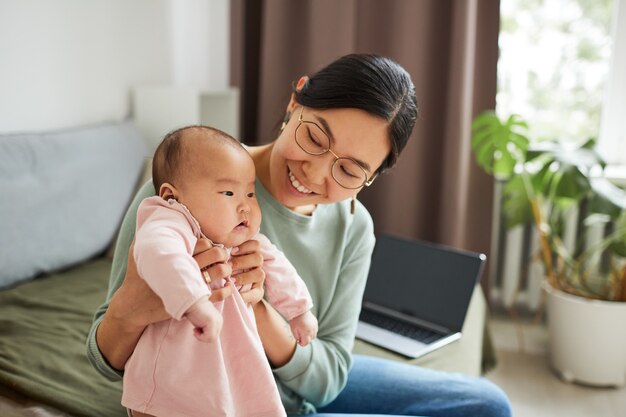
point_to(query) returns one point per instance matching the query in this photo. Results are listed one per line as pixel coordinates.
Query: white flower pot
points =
(587, 338)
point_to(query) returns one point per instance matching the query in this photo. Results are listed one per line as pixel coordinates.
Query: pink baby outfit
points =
(173, 374)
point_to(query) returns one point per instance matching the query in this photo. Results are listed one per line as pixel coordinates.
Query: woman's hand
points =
(150, 309)
(247, 261)
(278, 342)
(212, 259)
(132, 307)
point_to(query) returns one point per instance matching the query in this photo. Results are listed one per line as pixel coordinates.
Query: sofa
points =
(65, 194)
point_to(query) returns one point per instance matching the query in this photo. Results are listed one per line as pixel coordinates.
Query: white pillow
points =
(64, 194)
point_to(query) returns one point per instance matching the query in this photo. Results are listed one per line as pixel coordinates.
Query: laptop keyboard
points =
(409, 330)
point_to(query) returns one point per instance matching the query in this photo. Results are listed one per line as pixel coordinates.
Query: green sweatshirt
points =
(331, 251)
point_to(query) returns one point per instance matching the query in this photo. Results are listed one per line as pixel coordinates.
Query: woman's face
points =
(298, 179)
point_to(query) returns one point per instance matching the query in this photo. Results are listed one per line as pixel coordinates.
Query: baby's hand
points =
(304, 328)
(206, 320)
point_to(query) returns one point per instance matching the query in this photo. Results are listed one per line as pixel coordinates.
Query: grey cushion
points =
(63, 195)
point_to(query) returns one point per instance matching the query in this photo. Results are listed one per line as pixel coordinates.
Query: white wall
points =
(201, 37)
(71, 62)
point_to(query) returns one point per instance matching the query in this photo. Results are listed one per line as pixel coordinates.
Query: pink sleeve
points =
(163, 251)
(284, 288)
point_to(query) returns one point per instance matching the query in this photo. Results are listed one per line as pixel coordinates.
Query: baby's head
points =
(213, 176)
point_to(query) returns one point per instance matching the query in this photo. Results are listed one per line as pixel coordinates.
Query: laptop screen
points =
(424, 280)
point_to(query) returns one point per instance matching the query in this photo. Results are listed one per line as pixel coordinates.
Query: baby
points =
(205, 181)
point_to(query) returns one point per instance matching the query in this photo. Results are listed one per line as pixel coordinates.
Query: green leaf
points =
(516, 203)
(520, 141)
(498, 146)
(484, 158)
(584, 157)
(573, 184)
(504, 166)
(589, 144)
(565, 203)
(541, 179)
(607, 198)
(487, 118)
(479, 137)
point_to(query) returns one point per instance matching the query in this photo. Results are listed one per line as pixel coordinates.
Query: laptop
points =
(417, 295)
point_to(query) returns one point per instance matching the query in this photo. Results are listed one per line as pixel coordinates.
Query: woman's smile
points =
(297, 185)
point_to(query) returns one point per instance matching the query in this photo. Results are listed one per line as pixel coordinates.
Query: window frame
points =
(613, 118)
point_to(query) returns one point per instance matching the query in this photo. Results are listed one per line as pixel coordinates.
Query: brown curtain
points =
(450, 48)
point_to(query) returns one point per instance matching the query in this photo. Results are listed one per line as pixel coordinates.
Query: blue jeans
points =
(384, 387)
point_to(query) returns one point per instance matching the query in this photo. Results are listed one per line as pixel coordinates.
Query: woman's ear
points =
(299, 86)
(302, 82)
(167, 191)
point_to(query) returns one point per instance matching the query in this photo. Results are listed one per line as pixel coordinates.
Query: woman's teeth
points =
(296, 184)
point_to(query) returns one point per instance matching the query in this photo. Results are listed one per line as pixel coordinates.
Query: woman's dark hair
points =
(372, 83)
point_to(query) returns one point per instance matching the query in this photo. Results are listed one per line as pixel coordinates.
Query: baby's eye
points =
(251, 195)
(228, 193)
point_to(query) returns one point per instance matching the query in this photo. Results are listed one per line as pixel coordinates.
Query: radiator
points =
(517, 275)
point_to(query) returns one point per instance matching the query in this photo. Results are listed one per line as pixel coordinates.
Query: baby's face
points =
(220, 194)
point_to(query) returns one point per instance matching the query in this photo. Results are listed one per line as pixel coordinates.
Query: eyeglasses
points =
(347, 172)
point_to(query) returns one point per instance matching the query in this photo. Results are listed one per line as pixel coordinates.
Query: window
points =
(613, 126)
(556, 62)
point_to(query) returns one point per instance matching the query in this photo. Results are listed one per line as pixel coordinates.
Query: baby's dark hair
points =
(166, 164)
(376, 84)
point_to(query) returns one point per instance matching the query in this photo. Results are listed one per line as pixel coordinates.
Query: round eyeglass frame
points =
(366, 182)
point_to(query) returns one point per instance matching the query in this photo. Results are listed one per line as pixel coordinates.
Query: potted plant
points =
(586, 284)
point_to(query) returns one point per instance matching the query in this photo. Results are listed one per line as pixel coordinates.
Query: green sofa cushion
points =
(43, 327)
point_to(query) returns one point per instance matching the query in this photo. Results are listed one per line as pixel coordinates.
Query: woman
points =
(343, 127)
